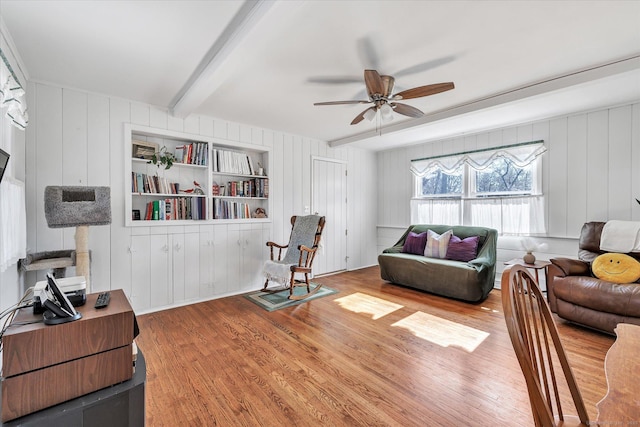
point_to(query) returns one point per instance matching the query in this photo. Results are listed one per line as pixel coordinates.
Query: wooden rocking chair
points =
(298, 259)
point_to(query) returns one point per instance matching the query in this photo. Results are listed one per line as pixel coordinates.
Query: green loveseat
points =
(468, 281)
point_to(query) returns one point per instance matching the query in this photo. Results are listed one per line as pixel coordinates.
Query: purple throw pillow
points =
(463, 249)
(414, 243)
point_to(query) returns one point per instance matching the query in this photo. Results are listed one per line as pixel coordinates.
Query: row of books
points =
(195, 153)
(256, 187)
(143, 183)
(227, 209)
(232, 162)
(177, 208)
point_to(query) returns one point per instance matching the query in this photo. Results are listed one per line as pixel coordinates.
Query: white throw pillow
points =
(437, 244)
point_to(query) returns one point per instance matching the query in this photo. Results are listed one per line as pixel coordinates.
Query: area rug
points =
(272, 301)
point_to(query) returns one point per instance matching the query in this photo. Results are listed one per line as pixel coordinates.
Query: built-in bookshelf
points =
(209, 179)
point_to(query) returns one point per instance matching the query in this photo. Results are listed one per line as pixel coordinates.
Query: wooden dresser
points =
(46, 365)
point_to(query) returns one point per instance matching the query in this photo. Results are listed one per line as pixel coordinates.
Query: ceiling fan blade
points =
(406, 110)
(360, 116)
(334, 79)
(367, 53)
(340, 102)
(387, 85)
(374, 82)
(427, 90)
(418, 68)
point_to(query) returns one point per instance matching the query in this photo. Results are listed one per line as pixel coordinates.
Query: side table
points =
(536, 266)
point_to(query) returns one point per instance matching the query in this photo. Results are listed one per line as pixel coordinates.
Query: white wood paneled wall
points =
(77, 138)
(591, 172)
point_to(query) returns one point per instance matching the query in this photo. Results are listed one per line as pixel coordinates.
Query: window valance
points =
(521, 155)
(12, 95)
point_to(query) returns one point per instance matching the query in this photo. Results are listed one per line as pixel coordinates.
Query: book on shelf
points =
(255, 187)
(195, 153)
(178, 208)
(234, 162)
(228, 209)
(143, 183)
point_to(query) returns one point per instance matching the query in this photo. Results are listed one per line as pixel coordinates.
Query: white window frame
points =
(502, 203)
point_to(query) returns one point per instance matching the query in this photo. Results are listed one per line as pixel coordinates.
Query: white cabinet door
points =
(239, 252)
(190, 255)
(254, 254)
(140, 278)
(176, 245)
(207, 265)
(160, 271)
(232, 254)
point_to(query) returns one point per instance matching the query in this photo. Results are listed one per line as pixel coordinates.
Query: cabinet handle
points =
(131, 250)
(177, 247)
(165, 248)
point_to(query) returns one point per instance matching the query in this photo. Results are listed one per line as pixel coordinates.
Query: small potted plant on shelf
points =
(162, 157)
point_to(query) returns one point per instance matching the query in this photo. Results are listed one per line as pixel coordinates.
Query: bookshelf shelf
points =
(212, 164)
(241, 197)
(175, 164)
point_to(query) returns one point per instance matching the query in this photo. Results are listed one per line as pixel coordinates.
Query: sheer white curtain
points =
(436, 211)
(508, 215)
(13, 222)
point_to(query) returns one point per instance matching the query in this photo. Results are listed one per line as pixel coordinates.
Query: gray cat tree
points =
(79, 207)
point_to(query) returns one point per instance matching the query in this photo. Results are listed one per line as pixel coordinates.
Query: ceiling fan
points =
(379, 88)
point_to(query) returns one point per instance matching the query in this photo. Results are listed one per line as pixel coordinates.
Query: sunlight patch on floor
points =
(443, 332)
(363, 303)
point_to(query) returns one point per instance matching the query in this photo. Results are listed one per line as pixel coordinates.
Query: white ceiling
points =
(265, 64)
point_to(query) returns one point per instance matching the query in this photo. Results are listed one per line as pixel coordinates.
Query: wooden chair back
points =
(537, 345)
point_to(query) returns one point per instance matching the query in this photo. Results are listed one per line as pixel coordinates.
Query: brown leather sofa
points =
(576, 295)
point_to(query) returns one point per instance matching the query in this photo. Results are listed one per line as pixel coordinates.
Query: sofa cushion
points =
(415, 243)
(599, 295)
(437, 244)
(462, 249)
(453, 279)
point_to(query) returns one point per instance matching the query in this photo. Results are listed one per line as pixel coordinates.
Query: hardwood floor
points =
(330, 361)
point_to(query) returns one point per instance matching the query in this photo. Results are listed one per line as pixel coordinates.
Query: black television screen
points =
(4, 159)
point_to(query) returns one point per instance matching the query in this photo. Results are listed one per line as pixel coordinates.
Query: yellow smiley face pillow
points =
(616, 268)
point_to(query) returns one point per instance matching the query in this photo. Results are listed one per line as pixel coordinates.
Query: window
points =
(498, 188)
(440, 183)
(502, 177)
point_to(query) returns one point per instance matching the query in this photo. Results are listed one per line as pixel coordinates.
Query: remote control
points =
(103, 300)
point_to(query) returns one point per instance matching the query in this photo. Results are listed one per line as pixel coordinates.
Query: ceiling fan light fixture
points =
(386, 112)
(370, 114)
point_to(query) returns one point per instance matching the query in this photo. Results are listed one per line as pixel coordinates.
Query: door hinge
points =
(345, 231)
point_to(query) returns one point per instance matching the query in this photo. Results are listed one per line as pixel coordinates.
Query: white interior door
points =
(329, 198)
